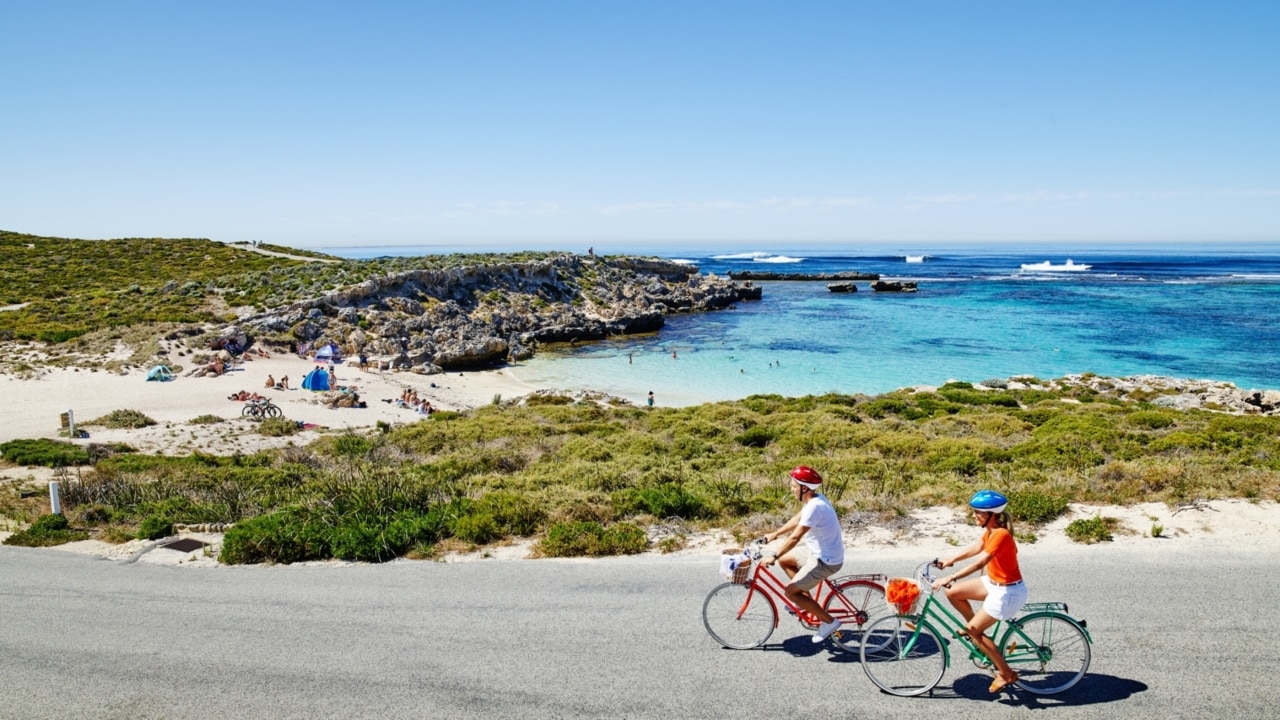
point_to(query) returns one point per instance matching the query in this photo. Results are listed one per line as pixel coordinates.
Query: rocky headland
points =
(432, 320)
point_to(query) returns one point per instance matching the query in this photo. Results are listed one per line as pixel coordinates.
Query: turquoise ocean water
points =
(978, 314)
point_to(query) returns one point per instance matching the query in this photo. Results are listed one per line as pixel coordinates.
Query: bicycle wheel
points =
(736, 620)
(273, 411)
(1057, 657)
(250, 411)
(863, 604)
(909, 661)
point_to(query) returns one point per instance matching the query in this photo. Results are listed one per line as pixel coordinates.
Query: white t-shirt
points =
(824, 539)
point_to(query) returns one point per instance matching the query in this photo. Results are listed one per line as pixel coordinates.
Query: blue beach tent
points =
(317, 380)
(160, 373)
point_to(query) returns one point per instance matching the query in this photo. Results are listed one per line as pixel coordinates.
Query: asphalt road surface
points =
(1177, 634)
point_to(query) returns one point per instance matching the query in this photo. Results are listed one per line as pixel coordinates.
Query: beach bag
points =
(735, 566)
(902, 593)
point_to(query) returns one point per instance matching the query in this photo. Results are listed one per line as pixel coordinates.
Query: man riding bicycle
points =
(819, 527)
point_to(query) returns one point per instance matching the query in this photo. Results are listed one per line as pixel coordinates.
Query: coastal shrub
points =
(351, 445)
(883, 406)
(668, 500)
(285, 536)
(43, 452)
(1092, 530)
(1151, 420)
(1036, 507)
(47, 530)
(586, 538)
(278, 426)
(154, 527)
(758, 436)
(126, 419)
(205, 420)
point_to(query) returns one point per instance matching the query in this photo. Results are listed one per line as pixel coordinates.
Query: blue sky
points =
(558, 124)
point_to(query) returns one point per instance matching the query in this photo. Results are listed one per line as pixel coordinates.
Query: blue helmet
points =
(988, 501)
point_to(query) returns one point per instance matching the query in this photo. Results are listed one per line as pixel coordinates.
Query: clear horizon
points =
(575, 124)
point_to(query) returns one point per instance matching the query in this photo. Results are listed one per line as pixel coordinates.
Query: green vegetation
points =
(130, 419)
(45, 453)
(73, 287)
(154, 528)
(1092, 530)
(45, 531)
(569, 539)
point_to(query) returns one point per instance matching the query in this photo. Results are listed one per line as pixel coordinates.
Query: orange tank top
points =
(1003, 567)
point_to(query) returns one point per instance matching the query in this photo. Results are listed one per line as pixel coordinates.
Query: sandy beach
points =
(34, 404)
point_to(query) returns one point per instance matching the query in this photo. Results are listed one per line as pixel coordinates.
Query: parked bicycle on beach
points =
(259, 409)
(743, 613)
(908, 652)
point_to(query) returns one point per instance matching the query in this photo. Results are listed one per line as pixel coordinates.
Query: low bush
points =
(576, 539)
(758, 436)
(278, 427)
(1093, 530)
(205, 420)
(45, 531)
(155, 527)
(45, 453)
(123, 419)
(1036, 507)
(664, 501)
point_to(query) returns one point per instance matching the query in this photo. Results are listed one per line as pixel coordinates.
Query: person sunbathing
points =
(284, 382)
(271, 382)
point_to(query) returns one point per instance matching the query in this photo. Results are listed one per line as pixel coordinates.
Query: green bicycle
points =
(907, 653)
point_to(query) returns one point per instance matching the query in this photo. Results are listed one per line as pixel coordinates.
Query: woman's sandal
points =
(1000, 683)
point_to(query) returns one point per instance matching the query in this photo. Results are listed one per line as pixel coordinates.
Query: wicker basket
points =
(903, 594)
(735, 566)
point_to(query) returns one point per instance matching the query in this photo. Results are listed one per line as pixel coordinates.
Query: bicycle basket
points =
(904, 594)
(735, 566)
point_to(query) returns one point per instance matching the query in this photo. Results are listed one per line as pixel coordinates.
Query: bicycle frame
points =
(763, 580)
(1023, 647)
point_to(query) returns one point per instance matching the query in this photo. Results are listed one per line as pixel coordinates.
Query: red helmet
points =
(807, 476)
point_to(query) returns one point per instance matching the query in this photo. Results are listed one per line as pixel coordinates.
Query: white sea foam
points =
(683, 261)
(1048, 266)
(916, 258)
(778, 259)
(741, 256)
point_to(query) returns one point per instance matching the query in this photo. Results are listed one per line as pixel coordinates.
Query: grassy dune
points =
(585, 478)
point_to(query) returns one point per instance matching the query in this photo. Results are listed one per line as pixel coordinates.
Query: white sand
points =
(33, 406)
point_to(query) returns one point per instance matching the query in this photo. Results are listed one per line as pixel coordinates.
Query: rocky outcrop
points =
(894, 286)
(441, 319)
(1163, 391)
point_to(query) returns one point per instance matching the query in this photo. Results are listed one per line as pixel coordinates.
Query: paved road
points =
(1177, 635)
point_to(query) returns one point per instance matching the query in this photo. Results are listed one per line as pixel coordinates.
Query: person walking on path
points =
(819, 527)
(1001, 590)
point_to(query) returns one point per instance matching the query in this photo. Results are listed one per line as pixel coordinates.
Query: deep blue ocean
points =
(978, 314)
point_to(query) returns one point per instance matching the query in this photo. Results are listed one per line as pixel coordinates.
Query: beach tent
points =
(317, 380)
(329, 354)
(160, 372)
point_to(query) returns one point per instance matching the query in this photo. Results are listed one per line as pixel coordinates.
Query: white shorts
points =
(1003, 601)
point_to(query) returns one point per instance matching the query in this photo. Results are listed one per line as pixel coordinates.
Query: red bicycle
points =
(743, 613)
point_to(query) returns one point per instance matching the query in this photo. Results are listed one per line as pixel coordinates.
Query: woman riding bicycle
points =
(1001, 590)
(819, 527)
